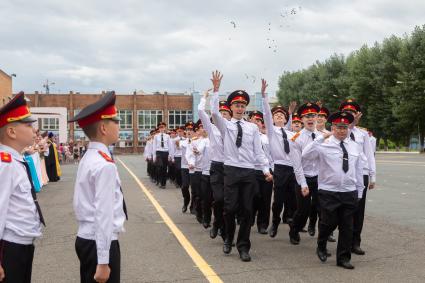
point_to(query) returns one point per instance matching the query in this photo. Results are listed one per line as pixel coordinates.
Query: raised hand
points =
(216, 80)
(292, 107)
(264, 86)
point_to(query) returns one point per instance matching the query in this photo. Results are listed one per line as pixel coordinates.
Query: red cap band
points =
(106, 113)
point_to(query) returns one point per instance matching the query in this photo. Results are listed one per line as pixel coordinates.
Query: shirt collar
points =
(99, 146)
(16, 155)
(235, 121)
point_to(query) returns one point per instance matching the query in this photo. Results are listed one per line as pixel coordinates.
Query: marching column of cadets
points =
(270, 167)
(232, 166)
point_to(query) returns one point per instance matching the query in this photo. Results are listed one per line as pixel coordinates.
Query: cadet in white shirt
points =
(216, 150)
(195, 156)
(20, 213)
(147, 154)
(308, 113)
(184, 145)
(361, 137)
(372, 142)
(340, 183)
(177, 155)
(161, 147)
(287, 163)
(262, 201)
(242, 150)
(98, 200)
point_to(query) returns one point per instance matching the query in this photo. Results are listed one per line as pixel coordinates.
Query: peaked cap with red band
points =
(296, 118)
(350, 105)
(324, 112)
(308, 108)
(281, 109)
(100, 110)
(223, 106)
(341, 118)
(257, 115)
(238, 96)
(16, 110)
(189, 125)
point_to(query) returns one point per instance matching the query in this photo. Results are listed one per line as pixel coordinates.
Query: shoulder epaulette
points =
(104, 155)
(295, 136)
(195, 138)
(5, 157)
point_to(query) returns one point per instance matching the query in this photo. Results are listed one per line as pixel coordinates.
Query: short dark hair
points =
(91, 130)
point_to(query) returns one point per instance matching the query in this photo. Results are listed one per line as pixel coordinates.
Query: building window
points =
(50, 124)
(126, 117)
(143, 135)
(79, 135)
(178, 118)
(126, 139)
(149, 119)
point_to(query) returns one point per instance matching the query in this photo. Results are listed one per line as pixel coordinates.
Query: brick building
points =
(5, 86)
(139, 113)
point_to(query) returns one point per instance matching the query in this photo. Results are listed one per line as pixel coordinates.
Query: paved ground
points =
(393, 236)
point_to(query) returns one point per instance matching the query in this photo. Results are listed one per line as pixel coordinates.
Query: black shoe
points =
(273, 230)
(227, 247)
(357, 250)
(262, 230)
(311, 230)
(331, 239)
(206, 225)
(322, 254)
(184, 208)
(345, 264)
(213, 232)
(294, 238)
(290, 220)
(199, 219)
(245, 257)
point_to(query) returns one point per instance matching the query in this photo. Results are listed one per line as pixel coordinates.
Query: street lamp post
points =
(47, 86)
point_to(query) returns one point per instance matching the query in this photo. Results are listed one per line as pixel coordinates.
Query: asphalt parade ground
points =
(161, 244)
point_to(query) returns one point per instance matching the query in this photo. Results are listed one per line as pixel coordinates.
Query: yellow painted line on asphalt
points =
(203, 266)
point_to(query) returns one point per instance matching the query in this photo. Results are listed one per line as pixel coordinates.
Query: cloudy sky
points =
(158, 45)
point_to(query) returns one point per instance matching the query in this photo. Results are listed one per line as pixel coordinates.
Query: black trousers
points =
(185, 186)
(178, 168)
(16, 260)
(206, 198)
(284, 192)
(240, 187)
(87, 254)
(171, 175)
(315, 207)
(262, 201)
(217, 186)
(303, 205)
(161, 164)
(195, 190)
(337, 210)
(359, 215)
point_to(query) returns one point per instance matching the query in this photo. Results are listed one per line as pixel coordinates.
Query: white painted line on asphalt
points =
(203, 266)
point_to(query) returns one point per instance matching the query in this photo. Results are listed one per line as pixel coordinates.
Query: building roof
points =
(4, 74)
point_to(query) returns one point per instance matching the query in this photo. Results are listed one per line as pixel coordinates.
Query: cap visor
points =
(29, 119)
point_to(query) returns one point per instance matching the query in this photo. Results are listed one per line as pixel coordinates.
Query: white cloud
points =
(89, 46)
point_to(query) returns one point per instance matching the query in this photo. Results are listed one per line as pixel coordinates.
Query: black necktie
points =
(313, 136)
(285, 140)
(162, 140)
(34, 196)
(344, 157)
(123, 205)
(239, 136)
(352, 136)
